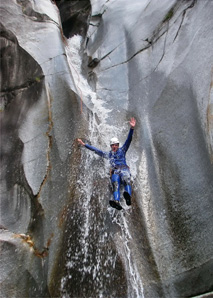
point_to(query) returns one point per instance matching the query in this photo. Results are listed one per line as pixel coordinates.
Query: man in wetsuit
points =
(120, 173)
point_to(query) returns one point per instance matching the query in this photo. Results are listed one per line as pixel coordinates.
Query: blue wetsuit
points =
(119, 169)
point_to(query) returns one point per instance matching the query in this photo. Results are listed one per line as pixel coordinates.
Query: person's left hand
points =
(132, 122)
(81, 142)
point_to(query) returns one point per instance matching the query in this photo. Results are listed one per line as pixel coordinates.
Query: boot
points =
(115, 204)
(127, 197)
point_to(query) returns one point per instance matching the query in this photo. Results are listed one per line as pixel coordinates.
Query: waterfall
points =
(91, 258)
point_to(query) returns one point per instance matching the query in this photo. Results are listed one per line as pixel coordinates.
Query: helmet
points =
(114, 141)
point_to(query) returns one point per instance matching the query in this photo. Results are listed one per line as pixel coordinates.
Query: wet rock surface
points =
(74, 16)
(147, 59)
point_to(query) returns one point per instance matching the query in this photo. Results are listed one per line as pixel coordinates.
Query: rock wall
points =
(160, 55)
(148, 59)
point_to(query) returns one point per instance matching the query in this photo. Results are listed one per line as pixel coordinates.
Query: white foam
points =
(99, 134)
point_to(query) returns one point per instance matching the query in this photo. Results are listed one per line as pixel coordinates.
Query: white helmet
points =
(114, 141)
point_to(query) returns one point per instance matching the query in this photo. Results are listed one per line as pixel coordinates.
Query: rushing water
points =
(91, 258)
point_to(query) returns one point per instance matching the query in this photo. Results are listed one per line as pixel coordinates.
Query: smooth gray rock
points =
(160, 57)
(35, 130)
(58, 235)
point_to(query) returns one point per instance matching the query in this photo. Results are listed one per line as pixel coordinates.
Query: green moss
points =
(37, 79)
(169, 15)
(2, 107)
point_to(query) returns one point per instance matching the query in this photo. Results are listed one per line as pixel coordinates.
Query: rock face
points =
(148, 59)
(74, 16)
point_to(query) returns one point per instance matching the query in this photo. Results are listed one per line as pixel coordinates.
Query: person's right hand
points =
(81, 142)
(132, 122)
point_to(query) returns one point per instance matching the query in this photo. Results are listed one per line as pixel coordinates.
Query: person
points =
(119, 172)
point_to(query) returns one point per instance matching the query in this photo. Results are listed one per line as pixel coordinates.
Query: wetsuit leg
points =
(128, 189)
(116, 181)
(126, 181)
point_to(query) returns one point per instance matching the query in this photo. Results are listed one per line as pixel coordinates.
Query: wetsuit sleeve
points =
(126, 145)
(97, 151)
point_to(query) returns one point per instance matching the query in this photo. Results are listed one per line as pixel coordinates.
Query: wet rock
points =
(58, 234)
(74, 16)
(154, 66)
(93, 63)
(29, 143)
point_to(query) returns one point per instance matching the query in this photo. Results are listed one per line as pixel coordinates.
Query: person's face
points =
(114, 147)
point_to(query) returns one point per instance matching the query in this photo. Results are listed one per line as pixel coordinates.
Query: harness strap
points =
(118, 167)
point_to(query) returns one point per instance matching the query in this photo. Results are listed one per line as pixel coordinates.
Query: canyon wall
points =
(74, 69)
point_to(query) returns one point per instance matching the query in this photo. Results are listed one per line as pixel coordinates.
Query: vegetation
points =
(169, 15)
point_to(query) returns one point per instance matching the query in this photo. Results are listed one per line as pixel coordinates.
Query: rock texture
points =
(74, 16)
(148, 59)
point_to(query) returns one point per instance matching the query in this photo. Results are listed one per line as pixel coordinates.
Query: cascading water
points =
(99, 239)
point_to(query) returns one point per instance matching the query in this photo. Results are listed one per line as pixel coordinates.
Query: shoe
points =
(115, 204)
(127, 197)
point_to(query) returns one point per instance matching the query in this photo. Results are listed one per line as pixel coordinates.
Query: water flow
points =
(87, 258)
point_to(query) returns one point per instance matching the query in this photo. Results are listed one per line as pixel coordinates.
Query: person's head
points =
(114, 144)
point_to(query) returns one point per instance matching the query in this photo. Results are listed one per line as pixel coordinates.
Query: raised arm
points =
(92, 148)
(126, 145)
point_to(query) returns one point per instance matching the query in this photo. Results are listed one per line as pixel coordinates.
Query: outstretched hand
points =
(81, 142)
(132, 122)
